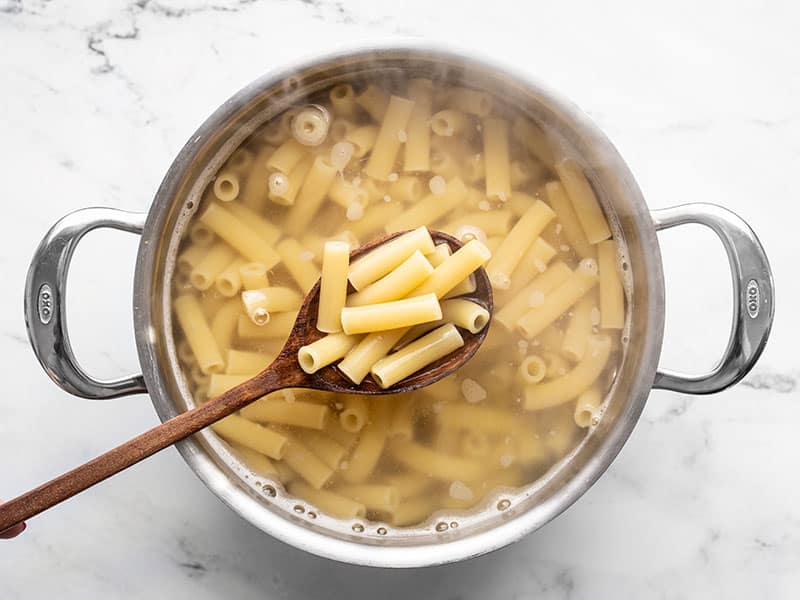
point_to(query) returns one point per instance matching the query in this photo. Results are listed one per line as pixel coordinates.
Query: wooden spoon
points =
(284, 372)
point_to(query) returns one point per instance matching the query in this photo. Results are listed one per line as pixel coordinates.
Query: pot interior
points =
(503, 516)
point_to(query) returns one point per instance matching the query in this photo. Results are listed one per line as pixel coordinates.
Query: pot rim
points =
(418, 555)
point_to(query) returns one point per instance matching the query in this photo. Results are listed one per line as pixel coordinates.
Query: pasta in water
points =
(359, 160)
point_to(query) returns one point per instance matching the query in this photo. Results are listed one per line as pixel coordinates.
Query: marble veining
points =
(701, 99)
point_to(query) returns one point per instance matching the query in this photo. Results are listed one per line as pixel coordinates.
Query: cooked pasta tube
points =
(473, 171)
(315, 243)
(242, 362)
(479, 418)
(402, 424)
(363, 139)
(532, 295)
(519, 202)
(253, 276)
(445, 164)
(198, 334)
(355, 413)
(325, 351)
(185, 354)
(255, 190)
(220, 383)
(439, 254)
(224, 322)
(285, 473)
(268, 232)
(496, 158)
(346, 193)
(517, 242)
(523, 171)
(341, 155)
(310, 125)
(211, 265)
(279, 326)
(493, 222)
(251, 435)
(409, 513)
(584, 201)
(442, 466)
(612, 298)
(417, 151)
(407, 485)
(387, 257)
(226, 186)
(568, 219)
(344, 438)
(313, 191)
(297, 413)
(387, 144)
(333, 285)
(326, 448)
(558, 431)
(533, 262)
(395, 284)
(298, 261)
(336, 505)
(587, 407)
(455, 269)
(188, 258)
(306, 464)
(431, 208)
(198, 377)
(532, 369)
(343, 100)
(284, 187)
(557, 365)
(405, 189)
(579, 328)
(255, 461)
(416, 355)
(375, 219)
(278, 299)
(241, 161)
(557, 302)
(229, 281)
(372, 495)
(449, 122)
(359, 360)
(211, 302)
(417, 331)
(470, 101)
(533, 138)
(370, 445)
(375, 101)
(465, 314)
(573, 384)
(255, 305)
(391, 315)
(287, 156)
(239, 236)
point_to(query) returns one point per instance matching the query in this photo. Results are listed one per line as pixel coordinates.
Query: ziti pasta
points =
(349, 164)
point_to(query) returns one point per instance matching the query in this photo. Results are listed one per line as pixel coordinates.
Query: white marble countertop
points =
(703, 99)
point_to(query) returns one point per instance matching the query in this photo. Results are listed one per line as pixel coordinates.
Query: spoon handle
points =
(131, 452)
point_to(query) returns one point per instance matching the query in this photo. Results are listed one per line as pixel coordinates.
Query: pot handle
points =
(753, 292)
(45, 303)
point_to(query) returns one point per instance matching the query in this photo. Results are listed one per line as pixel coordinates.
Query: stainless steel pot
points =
(504, 518)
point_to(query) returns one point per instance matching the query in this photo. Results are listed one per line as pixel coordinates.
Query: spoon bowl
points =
(331, 379)
(283, 372)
